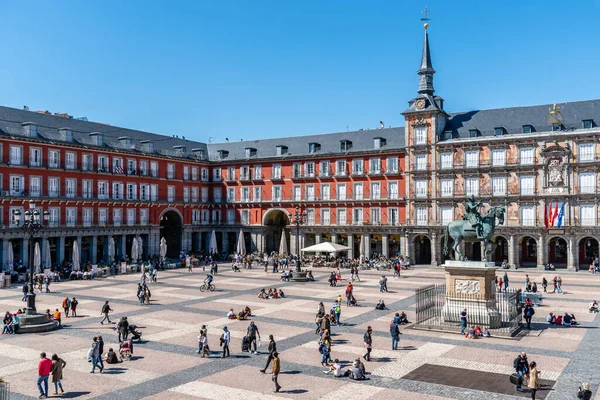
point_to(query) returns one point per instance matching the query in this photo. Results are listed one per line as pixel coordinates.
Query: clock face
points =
(420, 104)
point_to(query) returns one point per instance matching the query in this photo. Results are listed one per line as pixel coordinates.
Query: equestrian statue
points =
(474, 227)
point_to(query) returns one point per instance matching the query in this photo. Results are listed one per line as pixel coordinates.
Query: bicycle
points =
(206, 286)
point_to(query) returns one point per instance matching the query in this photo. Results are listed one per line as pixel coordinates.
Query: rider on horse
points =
(472, 215)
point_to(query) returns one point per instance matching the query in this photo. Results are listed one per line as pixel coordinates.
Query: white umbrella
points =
(10, 257)
(283, 248)
(326, 247)
(37, 258)
(163, 247)
(213, 243)
(75, 261)
(111, 249)
(362, 248)
(140, 246)
(241, 244)
(134, 250)
(47, 258)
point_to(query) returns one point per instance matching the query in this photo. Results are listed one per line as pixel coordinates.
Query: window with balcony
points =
(276, 193)
(375, 166)
(195, 195)
(296, 170)
(309, 169)
(217, 195)
(358, 166)
(421, 162)
(131, 191)
(420, 134)
(102, 163)
(393, 218)
(143, 168)
(35, 186)
(446, 160)
(195, 217)
(131, 216)
(16, 155)
(528, 215)
(325, 193)
(154, 169)
(446, 215)
(230, 217)
(276, 171)
(357, 216)
(204, 195)
(499, 186)
(257, 193)
(186, 194)
(88, 216)
(35, 157)
(117, 166)
(54, 219)
(421, 215)
(186, 173)
(527, 185)
(393, 193)
(203, 175)
(375, 191)
(498, 157)
(586, 152)
(117, 191)
(205, 214)
(245, 173)
(340, 168)
(526, 156)
(310, 216)
(310, 193)
(472, 186)
(216, 174)
(70, 161)
(231, 195)
(53, 187)
(376, 215)
(170, 193)
(245, 217)
(421, 188)
(587, 182)
(70, 188)
(392, 165)
(87, 162)
(216, 216)
(325, 216)
(170, 171)
(341, 216)
(324, 169)
(358, 191)
(341, 191)
(195, 173)
(446, 187)
(102, 216)
(587, 215)
(471, 159)
(153, 192)
(117, 216)
(102, 190)
(257, 172)
(144, 192)
(53, 159)
(143, 216)
(231, 173)
(132, 167)
(297, 192)
(246, 194)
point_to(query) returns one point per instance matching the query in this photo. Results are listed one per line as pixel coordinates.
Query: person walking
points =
(275, 371)
(226, 341)
(558, 285)
(395, 333)
(463, 321)
(95, 355)
(74, 304)
(544, 284)
(272, 350)
(505, 280)
(57, 373)
(100, 351)
(534, 379)
(554, 283)
(521, 367)
(44, 368)
(368, 340)
(349, 289)
(123, 329)
(105, 310)
(251, 333)
(203, 332)
(337, 307)
(527, 314)
(66, 305)
(47, 284)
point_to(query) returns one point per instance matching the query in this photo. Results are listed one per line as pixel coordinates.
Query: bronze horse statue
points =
(463, 231)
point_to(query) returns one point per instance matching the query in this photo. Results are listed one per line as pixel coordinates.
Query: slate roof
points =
(512, 119)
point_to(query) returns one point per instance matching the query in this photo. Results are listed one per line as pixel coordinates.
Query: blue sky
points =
(259, 69)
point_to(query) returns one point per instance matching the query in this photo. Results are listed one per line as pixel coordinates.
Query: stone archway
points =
(588, 251)
(275, 221)
(558, 250)
(500, 252)
(171, 228)
(528, 252)
(422, 246)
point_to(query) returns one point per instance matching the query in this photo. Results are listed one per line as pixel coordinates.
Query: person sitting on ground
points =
(111, 357)
(573, 320)
(487, 333)
(285, 276)
(248, 311)
(403, 318)
(380, 305)
(270, 293)
(566, 320)
(551, 319)
(584, 392)
(244, 313)
(594, 306)
(559, 320)
(335, 370)
(478, 331)
(356, 373)
(281, 294)
(262, 294)
(231, 314)
(534, 287)
(471, 333)
(275, 293)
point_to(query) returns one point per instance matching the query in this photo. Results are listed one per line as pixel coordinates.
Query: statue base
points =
(36, 323)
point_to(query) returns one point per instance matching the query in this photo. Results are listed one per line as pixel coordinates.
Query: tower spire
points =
(426, 71)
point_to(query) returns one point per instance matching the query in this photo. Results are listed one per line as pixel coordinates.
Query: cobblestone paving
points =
(166, 366)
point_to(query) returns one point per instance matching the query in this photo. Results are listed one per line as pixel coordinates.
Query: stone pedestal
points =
(471, 285)
(36, 323)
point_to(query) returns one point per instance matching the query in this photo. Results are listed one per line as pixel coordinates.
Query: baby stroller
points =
(135, 334)
(245, 344)
(126, 350)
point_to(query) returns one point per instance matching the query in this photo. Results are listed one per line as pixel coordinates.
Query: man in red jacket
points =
(44, 367)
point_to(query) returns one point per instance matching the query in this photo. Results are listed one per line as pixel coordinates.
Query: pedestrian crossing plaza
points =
(428, 364)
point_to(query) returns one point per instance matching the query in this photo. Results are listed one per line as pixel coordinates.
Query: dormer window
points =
(379, 142)
(499, 131)
(147, 146)
(179, 149)
(97, 138)
(125, 141)
(314, 147)
(588, 123)
(473, 132)
(281, 150)
(527, 128)
(447, 135)
(222, 154)
(250, 152)
(345, 145)
(199, 153)
(556, 127)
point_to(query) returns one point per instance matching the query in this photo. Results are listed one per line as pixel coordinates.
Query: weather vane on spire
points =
(426, 18)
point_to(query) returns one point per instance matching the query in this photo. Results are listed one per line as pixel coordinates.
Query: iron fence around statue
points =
(4, 391)
(435, 311)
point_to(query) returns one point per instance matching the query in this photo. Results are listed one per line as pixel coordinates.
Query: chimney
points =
(147, 146)
(30, 129)
(66, 134)
(97, 138)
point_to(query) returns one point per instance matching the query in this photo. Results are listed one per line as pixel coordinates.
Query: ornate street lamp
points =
(32, 222)
(298, 218)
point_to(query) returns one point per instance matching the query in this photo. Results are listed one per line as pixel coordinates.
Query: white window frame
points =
(420, 134)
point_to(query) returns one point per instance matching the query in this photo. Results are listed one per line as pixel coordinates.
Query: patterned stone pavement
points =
(166, 366)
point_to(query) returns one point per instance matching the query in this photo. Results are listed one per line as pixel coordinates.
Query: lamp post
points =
(298, 218)
(31, 223)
